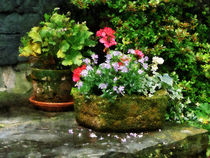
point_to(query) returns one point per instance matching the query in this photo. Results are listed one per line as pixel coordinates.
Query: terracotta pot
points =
(51, 88)
(126, 114)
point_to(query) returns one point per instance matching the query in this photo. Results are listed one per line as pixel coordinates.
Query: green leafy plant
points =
(175, 30)
(57, 42)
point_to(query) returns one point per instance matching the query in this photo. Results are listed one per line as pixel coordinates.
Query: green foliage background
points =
(177, 30)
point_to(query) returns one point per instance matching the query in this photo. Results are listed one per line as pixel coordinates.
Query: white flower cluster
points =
(156, 61)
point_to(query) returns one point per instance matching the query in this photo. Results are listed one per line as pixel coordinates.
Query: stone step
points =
(27, 132)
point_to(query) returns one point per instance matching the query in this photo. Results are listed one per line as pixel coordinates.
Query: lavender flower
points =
(71, 131)
(131, 51)
(108, 56)
(121, 89)
(146, 58)
(107, 66)
(86, 61)
(124, 69)
(103, 86)
(126, 62)
(79, 84)
(140, 71)
(123, 140)
(141, 60)
(115, 79)
(98, 72)
(116, 53)
(115, 66)
(84, 73)
(125, 57)
(145, 66)
(102, 65)
(95, 58)
(115, 88)
(89, 68)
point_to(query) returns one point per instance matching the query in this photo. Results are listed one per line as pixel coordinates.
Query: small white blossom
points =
(157, 60)
(92, 135)
(71, 131)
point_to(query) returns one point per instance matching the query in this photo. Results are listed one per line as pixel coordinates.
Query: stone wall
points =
(16, 18)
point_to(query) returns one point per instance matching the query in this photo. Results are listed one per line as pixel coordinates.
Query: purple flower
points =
(124, 69)
(71, 131)
(116, 53)
(115, 66)
(89, 68)
(126, 62)
(103, 86)
(102, 65)
(115, 79)
(131, 51)
(84, 73)
(115, 88)
(95, 58)
(125, 57)
(121, 89)
(86, 61)
(140, 71)
(79, 84)
(98, 72)
(108, 56)
(107, 66)
(123, 140)
(141, 60)
(146, 58)
(145, 66)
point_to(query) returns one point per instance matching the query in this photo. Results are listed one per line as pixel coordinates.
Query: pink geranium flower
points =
(106, 36)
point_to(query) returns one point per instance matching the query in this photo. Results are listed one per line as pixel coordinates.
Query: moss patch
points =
(127, 113)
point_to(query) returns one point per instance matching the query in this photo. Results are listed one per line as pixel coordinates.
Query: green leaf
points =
(60, 54)
(34, 34)
(47, 17)
(73, 58)
(64, 46)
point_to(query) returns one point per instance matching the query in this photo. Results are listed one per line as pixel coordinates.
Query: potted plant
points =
(55, 47)
(124, 93)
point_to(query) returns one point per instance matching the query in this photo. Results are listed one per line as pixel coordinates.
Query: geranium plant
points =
(57, 42)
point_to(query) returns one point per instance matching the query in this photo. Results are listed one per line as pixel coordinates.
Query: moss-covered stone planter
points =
(128, 113)
(53, 86)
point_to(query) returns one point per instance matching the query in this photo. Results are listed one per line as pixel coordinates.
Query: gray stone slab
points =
(9, 5)
(17, 23)
(27, 132)
(9, 49)
(8, 55)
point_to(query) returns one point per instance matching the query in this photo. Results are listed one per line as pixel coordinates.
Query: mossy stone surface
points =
(51, 85)
(127, 113)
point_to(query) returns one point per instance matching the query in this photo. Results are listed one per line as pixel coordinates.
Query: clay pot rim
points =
(50, 104)
(50, 70)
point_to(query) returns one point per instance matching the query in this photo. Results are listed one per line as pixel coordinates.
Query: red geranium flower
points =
(139, 53)
(76, 73)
